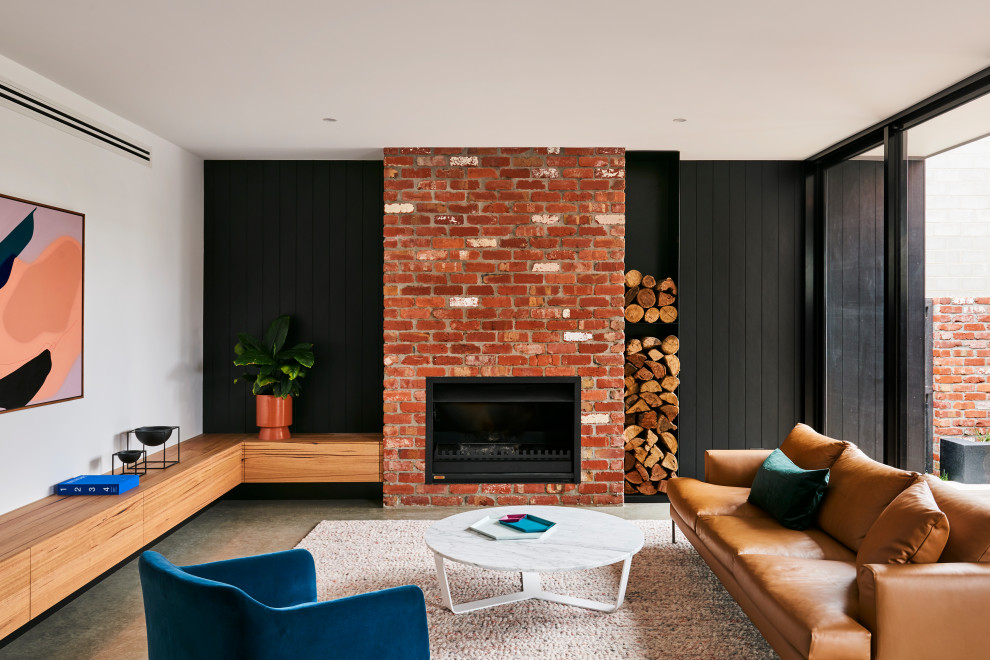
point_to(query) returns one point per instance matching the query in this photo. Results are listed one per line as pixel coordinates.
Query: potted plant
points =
(966, 459)
(274, 373)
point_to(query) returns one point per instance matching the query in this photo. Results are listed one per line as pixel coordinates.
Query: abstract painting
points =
(41, 304)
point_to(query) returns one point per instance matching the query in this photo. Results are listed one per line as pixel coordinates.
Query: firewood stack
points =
(648, 300)
(651, 371)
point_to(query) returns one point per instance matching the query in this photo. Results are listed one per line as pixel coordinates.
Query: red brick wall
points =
(504, 262)
(961, 364)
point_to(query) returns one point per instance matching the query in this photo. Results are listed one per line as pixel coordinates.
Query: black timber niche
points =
(652, 226)
(302, 238)
(653, 238)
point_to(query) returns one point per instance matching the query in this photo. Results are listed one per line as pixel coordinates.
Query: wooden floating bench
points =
(51, 548)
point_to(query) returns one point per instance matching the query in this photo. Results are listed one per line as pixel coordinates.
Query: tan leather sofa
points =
(804, 590)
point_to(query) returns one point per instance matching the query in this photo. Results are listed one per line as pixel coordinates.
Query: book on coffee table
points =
(491, 527)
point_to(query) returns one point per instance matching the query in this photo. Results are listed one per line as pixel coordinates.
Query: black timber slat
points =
(754, 282)
(303, 325)
(738, 295)
(215, 187)
(320, 379)
(371, 283)
(789, 296)
(336, 339)
(691, 445)
(770, 332)
(237, 300)
(722, 293)
(705, 312)
(266, 252)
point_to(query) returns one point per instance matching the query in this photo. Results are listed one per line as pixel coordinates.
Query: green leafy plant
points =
(272, 368)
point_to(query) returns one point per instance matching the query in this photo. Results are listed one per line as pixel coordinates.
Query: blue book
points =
(98, 484)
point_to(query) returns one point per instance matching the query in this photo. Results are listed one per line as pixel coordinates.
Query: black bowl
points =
(129, 456)
(153, 436)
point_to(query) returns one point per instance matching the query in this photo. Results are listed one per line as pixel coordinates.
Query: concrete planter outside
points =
(965, 461)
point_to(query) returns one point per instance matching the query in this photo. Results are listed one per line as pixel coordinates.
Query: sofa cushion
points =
(912, 529)
(728, 537)
(859, 489)
(812, 603)
(692, 498)
(969, 522)
(788, 493)
(811, 450)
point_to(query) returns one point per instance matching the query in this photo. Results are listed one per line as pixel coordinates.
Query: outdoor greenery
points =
(272, 369)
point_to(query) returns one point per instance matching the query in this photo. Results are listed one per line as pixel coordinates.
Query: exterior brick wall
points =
(504, 262)
(961, 364)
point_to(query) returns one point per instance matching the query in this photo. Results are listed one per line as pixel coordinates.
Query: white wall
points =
(957, 222)
(143, 310)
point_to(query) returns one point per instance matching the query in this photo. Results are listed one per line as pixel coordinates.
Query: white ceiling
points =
(947, 131)
(763, 79)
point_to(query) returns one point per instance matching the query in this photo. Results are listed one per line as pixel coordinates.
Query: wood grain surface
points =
(15, 592)
(66, 561)
(314, 459)
(54, 546)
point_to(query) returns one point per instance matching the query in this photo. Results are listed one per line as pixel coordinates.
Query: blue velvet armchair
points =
(265, 607)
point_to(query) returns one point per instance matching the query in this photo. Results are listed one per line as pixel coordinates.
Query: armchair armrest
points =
(925, 610)
(733, 467)
(278, 579)
(382, 624)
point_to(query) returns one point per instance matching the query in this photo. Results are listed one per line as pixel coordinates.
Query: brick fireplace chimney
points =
(504, 262)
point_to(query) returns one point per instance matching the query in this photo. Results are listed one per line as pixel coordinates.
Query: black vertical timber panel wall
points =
(854, 289)
(740, 305)
(302, 238)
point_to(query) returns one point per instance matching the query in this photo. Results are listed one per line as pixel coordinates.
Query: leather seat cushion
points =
(810, 450)
(859, 489)
(692, 498)
(969, 522)
(728, 537)
(814, 604)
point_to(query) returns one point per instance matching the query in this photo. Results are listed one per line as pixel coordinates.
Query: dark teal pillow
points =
(788, 493)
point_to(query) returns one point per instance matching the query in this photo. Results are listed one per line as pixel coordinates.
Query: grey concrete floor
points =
(107, 620)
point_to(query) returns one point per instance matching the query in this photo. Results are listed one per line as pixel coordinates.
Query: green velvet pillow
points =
(788, 493)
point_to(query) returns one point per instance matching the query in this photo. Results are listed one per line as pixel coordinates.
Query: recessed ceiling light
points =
(331, 119)
(680, 120)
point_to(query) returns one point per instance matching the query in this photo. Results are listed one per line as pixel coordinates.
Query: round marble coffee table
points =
(583, 539)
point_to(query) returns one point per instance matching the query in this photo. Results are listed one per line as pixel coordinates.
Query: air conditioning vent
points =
(37, 107)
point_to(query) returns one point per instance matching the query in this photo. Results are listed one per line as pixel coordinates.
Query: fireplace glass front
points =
(503, 430)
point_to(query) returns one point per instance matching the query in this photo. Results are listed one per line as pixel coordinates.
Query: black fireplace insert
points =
(503, 430)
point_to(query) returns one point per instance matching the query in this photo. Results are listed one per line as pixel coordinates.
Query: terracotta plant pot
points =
(274, 415)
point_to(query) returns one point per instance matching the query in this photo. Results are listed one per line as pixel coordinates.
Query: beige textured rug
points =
(674, 608)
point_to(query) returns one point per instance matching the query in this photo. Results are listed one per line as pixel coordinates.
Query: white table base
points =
(531, 589)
